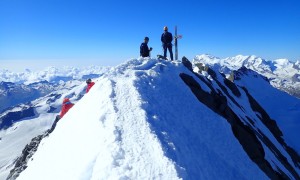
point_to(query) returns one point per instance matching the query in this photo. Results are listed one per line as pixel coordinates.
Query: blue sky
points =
(105, 32)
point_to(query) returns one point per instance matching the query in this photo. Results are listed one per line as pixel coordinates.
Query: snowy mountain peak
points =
(234, 62)
(241, 60)
(282, 61)
(154, 119)
(243, 57)
(282, 73)
(208, 57)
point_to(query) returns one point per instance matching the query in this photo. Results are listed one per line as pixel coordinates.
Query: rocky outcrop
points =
(27, 153)
(244, 130)
(21, 162)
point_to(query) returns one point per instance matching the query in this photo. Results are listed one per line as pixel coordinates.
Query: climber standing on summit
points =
(90, 84)
(166, 39)
(144, 49)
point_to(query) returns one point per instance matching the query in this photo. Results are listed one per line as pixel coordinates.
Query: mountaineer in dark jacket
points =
(166, 39)
(144, 50)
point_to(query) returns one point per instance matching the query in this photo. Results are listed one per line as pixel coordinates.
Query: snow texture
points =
(140, 121)
(279, 105)
(14, 137)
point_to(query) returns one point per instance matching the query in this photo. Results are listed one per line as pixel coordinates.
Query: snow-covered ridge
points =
(152, 119)
(282, 73)
(51, 74)
(156, 119)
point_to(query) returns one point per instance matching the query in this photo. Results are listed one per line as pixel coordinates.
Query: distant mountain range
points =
(12, 94)
(16, 88)
(282, 74)
(52, 74)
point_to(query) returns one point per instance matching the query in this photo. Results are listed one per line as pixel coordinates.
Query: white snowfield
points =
(132, 123)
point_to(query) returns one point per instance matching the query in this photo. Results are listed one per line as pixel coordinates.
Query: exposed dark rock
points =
(27, 153)
(265, 118)
(243, 70)
(295, 156)
(231, 77)
(211, 73)
(277, 153)
(224, 89)
(214, 101)
(244, 135)
(272, 126)
(201, 67)
(250, 138)
(187, 63)
(250, 120)
(232, 87)
(254, 149)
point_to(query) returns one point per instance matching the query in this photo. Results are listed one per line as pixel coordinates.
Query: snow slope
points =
(140, 121)
(279, 105)
(282, 73)
(19, 124)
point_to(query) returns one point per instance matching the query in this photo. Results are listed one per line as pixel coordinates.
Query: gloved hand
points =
(150, 48)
